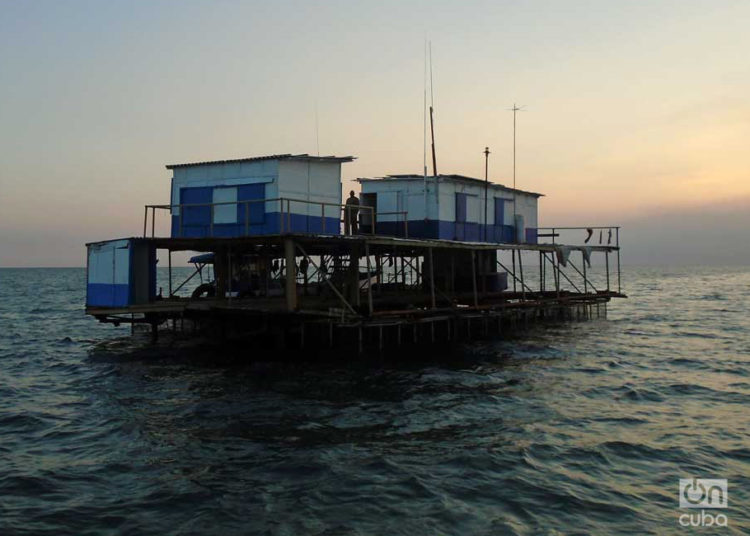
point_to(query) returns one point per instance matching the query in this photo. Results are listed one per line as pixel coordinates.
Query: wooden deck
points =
(411, 282)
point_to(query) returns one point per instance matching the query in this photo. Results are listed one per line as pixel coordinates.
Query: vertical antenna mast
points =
(424, 130)
(514, 110)
(486, 187)
(432, 122)
(317, 129)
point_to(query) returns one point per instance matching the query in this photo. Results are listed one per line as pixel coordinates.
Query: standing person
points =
(351, 214)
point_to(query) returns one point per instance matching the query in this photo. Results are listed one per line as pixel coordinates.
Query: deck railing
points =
(589, 236)
(599, 236)
(285, 214)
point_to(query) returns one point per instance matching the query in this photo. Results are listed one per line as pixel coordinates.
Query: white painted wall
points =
(109, 262)
(231, 174)
(225, 213)
(441, 200)
(507, 213)
(398, 195)
(447, 201)
(317, 182)
(527, 206)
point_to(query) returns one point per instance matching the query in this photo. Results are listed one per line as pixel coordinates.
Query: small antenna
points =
(424, 115)
(515, 109)
(486, 187)
(432, 120)
(317, 129)
(424, 131)
(432, 95)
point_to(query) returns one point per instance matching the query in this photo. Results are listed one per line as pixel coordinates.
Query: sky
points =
(635, 113)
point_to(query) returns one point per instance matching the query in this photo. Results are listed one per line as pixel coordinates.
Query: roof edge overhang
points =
(288, 156)
(447, 178)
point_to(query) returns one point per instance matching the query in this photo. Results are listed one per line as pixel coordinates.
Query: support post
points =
(169, 254)
(541, 273)
(352, 276)
(327, 280)
(520, 269)
(501, 265)
(617, 242)
(379, 273)
(585, 279)
(369, 278)
(474, 277)
(570, 281)
(219, 273)
(432, 278)
(229, 272)
(453, 273)
(291, 279)
(556, 273)
(606, 260)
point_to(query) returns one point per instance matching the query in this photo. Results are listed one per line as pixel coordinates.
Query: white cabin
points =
(259, 195)
(451, 207)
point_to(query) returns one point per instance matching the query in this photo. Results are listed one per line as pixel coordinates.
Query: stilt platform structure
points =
(283, 273)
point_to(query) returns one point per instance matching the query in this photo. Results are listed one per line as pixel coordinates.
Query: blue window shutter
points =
(195, 218)
(499, 211)
(461, 207)
(248, 192)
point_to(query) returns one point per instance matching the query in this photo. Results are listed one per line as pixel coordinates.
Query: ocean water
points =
(577, 428)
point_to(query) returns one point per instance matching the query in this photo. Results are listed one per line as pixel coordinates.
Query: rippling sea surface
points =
(577, 428)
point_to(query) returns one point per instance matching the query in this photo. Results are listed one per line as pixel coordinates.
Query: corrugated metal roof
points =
(286, 156)
(453, 177)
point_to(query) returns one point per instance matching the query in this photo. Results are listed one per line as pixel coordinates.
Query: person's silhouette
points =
(351, 214)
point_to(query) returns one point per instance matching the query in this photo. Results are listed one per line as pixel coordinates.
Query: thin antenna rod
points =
(432, 120)
(424, 131)
(317, 129)
(432, 88)
(514, 110)
(486, 187)
(424, 114)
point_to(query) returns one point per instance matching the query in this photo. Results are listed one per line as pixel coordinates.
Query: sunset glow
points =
(632, 110)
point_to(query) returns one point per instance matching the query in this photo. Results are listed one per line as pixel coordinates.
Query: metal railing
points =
(285, 214)
(611, 238)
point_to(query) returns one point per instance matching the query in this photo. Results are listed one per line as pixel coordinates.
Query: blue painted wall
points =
(196, 221)
(107, 295)
(447, 230)
(120, 273)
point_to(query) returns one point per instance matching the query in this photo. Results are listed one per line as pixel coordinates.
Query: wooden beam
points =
(474, 277)
(290, 286)
(432, 278)
(369, 279)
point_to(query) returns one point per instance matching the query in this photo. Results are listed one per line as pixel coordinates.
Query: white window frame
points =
(225, 213)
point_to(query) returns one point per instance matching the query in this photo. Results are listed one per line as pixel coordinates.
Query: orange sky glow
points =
(632, 110)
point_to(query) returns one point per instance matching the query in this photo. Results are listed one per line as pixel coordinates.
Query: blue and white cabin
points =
(454, 209)
(120, 273)
(286, 194)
